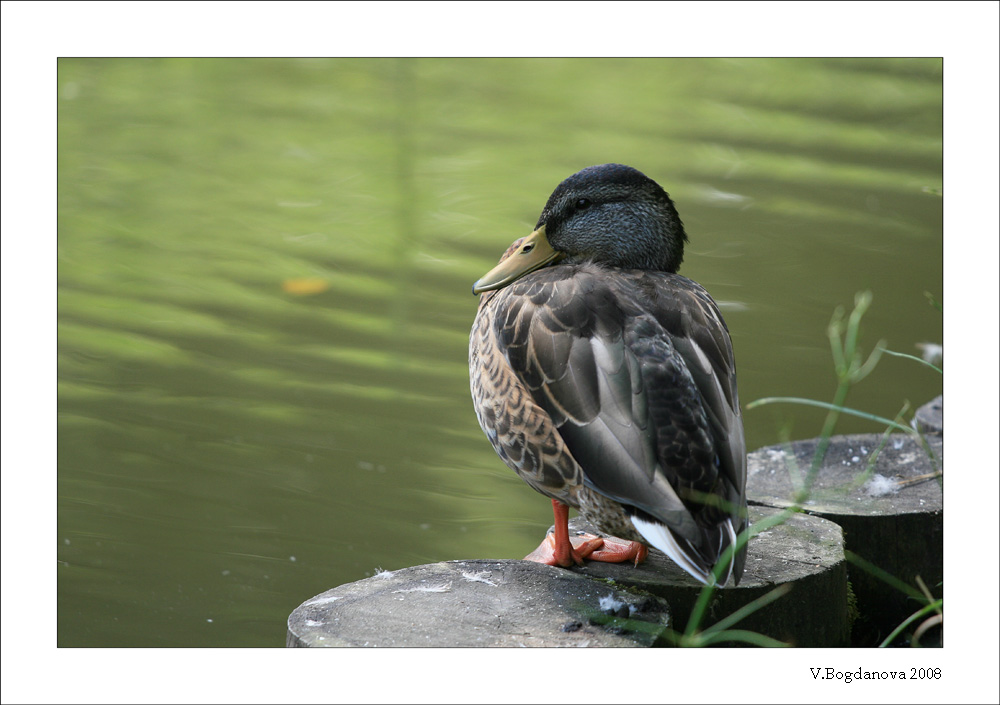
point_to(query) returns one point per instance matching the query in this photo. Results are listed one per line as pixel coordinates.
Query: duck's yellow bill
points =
(533, 253)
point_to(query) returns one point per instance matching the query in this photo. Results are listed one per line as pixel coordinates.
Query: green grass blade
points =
(884, 576)
(926, 609)
(921, 360)
(832, 407)
(744, 636)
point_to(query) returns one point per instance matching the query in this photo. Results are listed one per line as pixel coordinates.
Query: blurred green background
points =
(265, 272)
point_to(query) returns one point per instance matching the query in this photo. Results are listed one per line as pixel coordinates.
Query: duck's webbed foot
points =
(573, 550)
(617, 550)
(559, 548)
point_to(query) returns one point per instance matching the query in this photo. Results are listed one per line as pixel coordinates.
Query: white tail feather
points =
(662, 538)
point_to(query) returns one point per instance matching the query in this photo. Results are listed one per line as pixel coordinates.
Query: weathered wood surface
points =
(805, 553)
(895, 523)
(475, 603)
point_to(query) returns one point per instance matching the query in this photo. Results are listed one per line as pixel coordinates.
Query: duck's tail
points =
(695, 561)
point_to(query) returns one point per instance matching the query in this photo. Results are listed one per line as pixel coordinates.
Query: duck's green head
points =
(611, 214)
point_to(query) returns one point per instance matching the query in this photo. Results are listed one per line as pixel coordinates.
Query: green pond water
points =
(264, 299)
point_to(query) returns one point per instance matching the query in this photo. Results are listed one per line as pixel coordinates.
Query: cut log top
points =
(901, 482)
(475, 603)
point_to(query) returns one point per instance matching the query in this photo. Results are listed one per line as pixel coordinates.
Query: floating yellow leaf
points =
(306, 286)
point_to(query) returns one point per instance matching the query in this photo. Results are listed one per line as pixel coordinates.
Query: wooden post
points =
(893, 520)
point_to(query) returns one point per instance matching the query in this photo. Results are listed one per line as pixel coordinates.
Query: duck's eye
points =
(582, 204)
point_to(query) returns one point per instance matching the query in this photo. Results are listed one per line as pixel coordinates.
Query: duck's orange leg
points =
(558, 548)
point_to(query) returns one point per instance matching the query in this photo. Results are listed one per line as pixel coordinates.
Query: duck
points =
(607, 381)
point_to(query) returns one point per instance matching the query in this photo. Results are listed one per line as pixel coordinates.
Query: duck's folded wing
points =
(699, 334)
(622, 393)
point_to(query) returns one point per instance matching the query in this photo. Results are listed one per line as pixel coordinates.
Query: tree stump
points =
(894, 520)
(477, 603)
(805, 553)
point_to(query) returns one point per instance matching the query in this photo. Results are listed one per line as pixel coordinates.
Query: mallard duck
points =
(606, 380)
